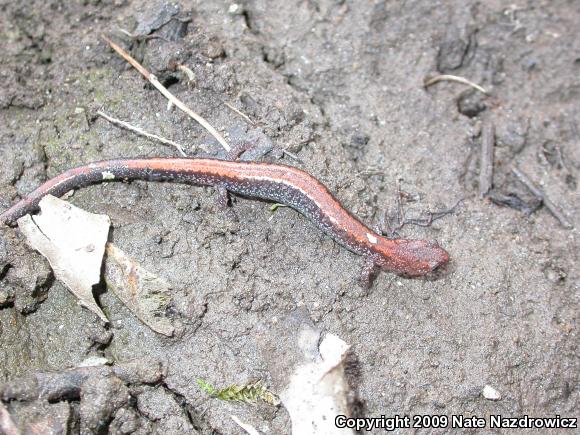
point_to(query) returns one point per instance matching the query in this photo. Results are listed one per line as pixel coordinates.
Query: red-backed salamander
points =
(280, 183)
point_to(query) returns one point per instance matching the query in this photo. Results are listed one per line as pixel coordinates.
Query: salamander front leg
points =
(223, 197)
(369, 273)
(223, 202)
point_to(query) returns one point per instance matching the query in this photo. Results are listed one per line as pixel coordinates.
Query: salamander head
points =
(410, 257)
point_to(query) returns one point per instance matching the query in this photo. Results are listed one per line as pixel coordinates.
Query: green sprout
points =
(249, 393)
(275, 206)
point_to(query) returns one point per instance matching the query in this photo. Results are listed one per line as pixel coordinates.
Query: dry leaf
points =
(73, 241)
(143, 292)
(317, 391)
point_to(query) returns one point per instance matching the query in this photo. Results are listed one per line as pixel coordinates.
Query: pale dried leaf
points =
(73, 241)
(317, 391)
(143, 292)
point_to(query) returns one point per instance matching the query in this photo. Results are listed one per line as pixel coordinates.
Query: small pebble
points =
(471, 103)
(491, 393)
(235, 9)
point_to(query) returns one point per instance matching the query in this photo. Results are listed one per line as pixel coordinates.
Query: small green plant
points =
(249, 393)
(276, 206)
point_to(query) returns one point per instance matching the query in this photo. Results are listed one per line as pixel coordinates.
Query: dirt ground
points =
(340, 84)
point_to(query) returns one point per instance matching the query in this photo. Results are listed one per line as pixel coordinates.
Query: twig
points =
(153, 80)
(142, 132)
(126, 32)
(291, 155)
(512, 200)
(541, 195)
(250, 430)
(400, 209)
(7, 425)
(451, 78)
(239, 112)
(486, 166)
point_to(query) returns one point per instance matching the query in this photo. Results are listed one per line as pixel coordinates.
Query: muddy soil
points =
(339, 84)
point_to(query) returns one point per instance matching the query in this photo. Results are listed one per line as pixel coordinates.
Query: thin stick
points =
(451, 78)
(541, 195)
(141, 132)
(153, 80)
(486, 166)
(292, 155)
(249, 429)
(239, 112)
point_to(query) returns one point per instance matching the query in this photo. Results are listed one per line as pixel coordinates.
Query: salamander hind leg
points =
(240, 148)
(369, 273)
(253, 145)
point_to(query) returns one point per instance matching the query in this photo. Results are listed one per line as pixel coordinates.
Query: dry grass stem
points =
(451, 78)
(552, 208)
(153, 80)
(239, 112)
(486, 166)
(141, 132)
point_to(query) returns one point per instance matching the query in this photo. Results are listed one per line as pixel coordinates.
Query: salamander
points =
(284, 184)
